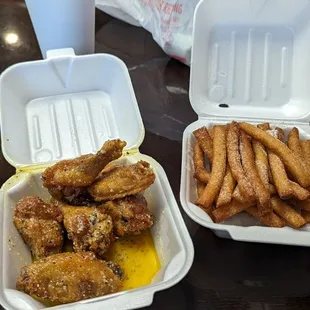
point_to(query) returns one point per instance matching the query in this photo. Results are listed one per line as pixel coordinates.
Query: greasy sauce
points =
(137, 257)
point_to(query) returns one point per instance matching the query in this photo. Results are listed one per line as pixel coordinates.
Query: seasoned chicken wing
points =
(122, 181)
(39, 224)
(68, 277)
(89, 228)
(130, 215)
(70, 177)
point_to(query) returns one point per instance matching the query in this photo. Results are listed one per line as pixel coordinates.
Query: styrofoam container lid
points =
(73, 104)
(251, 59)
(250, 62)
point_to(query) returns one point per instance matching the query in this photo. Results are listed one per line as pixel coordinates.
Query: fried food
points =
(305, 146)
(212, 189)
(200, 188)
(294, 144)
(248, 162)
(69, 277)
(70, 177)
(264, 126)
(261, 158)
(122, 181)
(205, 141)
(223, 213)
(306, 215)
(199, 161)
(303, 205)
(299, 192)
(280, 178)
(270, 219)
(89, 228)
(272, 189)
(39, 224)
(260, 167)
(261, 162)
(227, 189)
(289, 159)
(201, 173)
(234, 161)
(292, 217)
(237, 195)
(130, 215)
(240, 198)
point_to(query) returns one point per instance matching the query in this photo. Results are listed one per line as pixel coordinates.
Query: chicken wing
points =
(39, 224)
(130, 215)
(70, 177)
(122, 181)
(68, 277)
(89, 228)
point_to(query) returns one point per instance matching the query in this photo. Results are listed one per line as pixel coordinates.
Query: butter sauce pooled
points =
(137, 257)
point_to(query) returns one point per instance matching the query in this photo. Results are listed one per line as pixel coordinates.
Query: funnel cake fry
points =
(234, 161)
(289, 159)
(212, 189)
(248, 162)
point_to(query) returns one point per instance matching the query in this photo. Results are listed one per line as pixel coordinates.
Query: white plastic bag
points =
(169, 21)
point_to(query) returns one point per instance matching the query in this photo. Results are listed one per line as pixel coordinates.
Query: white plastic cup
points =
(64, 24)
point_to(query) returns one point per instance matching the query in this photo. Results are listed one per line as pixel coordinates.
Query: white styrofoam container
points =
(61, 108)
(250, 62)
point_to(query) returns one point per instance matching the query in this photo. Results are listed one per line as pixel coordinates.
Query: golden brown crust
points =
(205, 141)
(269, 219)
(200, 188)
(305, 146)
(223, 213)
(280, 178)
(294, 144)
(289, 159)
(248, 162)
(293, 218)
(272, 190)
(81, 171)
(39, 224)
(199, 161)
(122, 181)
(303, 205)
(228, 186)
(212, 189)
(234, 161)
(240, 198)
(264, 126)
(130, 215)
(299, 192)
(89, 228)
(306, 215)
(68, 277)
(202, 175)
(201, 172)
(261, 162)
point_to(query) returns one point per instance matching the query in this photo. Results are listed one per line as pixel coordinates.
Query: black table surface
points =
(225, 274)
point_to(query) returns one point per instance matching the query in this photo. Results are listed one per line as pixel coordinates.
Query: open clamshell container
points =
(61, 108)
(250, 62)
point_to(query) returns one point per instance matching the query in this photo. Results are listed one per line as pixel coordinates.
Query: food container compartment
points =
(249, 63)
(61, 108)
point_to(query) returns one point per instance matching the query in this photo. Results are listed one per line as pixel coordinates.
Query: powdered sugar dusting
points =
(273, 132)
